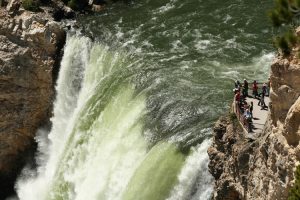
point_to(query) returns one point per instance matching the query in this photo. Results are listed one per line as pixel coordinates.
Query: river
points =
(137, 96)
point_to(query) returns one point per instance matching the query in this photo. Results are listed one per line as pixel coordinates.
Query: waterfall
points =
(98, 147)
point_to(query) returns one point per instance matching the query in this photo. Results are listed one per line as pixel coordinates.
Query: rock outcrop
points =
(261, 168)
(30, 45)
(285, 78)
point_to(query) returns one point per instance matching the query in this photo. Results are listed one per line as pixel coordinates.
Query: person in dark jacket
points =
(261, 101)
(251, 109)
(246, 88)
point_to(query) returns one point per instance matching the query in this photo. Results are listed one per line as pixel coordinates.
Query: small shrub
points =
(31, 5)
(77, 4)
(287, 42)
(232, 116)
(291, 38)
(275, 18)
(283, 44)
(285, 17)
(294, 193)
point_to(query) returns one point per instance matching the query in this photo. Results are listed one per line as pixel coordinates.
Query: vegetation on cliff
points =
(285, 16)
(76, 4)
(294, 193)
(31, 5)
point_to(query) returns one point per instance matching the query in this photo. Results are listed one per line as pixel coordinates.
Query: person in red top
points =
(255, 89)
(238, 96)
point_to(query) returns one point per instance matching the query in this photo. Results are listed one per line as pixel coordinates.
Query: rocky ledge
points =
(261, 168)
(30, 45)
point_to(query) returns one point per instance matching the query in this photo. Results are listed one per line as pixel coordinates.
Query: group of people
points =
(241, 93)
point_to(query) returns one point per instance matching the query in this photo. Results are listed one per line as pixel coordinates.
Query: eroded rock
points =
(261, 168)
(30, 44)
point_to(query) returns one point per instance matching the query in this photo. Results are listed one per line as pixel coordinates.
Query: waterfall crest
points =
(98, 145)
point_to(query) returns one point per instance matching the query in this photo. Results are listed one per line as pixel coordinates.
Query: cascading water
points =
(134, 108)
(98, 149)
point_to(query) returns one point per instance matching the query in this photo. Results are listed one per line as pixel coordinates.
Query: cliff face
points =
(261, 168)
(29, 51)
(285, 78)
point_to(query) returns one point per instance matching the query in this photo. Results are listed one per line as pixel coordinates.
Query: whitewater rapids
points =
(98, 148)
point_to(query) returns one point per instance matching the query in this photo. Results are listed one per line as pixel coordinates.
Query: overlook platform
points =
(259, 116)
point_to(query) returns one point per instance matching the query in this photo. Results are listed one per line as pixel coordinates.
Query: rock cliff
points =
(30, 45)
(261, 168)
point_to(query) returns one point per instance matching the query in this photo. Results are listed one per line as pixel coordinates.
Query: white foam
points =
(68, 86)
(194, 176)
(202, 44)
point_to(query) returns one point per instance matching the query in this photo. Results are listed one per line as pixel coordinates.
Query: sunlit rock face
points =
(29, 50)
(285, 80)
(261, 168)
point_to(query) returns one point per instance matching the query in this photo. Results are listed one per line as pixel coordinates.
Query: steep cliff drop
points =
(261, 168)
(135, 107)
(30, 45)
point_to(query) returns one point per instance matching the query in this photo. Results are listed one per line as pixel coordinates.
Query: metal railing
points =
(246, 123)
(240, 116)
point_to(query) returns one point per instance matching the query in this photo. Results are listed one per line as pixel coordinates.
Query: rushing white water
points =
(97, 145)
(68, 87)
(133, 114)
(194, 176)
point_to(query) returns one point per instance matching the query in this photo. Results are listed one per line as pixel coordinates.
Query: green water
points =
(189, 52)
(157, 174)
(136, 106)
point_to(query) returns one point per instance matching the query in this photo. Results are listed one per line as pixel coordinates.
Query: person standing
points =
(237, 96)
(255, 89)
(251, 109)
(244, 93)
(264, 89)
(248, 120)
(261, 101)
(236, 84)
(246, 88)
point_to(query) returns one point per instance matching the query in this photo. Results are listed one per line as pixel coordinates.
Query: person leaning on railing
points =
(247, 118)
(244, 111)
(251, 109)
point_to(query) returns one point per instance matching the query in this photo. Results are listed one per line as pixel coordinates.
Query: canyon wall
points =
(261, 167)
(30, 46)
